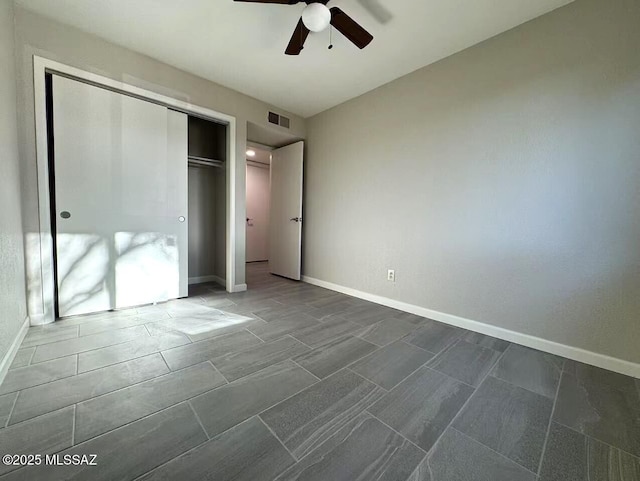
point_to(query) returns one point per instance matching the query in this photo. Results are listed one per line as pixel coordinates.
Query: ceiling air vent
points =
(279, 120)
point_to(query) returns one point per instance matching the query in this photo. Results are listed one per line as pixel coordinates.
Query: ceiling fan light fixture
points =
(316, 17)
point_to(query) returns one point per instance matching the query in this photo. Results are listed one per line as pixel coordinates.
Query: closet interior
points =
(207, 164)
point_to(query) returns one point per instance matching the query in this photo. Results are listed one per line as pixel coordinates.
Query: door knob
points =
(65, 214)
(296, 219)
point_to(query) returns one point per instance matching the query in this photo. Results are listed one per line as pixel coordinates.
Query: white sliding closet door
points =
(121, 199)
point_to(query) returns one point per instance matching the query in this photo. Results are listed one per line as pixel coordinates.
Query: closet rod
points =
(206, 163)
(204, 159)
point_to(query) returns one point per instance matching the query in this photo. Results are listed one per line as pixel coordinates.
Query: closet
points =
(207, 200)
(138, 193)
(119, 200)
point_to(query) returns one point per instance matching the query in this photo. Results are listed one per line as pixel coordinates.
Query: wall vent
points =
(279, 120)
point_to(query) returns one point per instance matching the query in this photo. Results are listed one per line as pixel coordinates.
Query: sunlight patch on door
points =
(146, 268)
(83, 273)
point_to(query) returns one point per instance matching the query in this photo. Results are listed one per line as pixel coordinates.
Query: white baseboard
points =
(577, 354)
(13, 350)
(202, 279)
(40, 319)
(239, 288)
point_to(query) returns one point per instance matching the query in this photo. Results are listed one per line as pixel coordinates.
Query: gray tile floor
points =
(290, 381)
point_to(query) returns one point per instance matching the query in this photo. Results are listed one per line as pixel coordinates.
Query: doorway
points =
(274, 207)
(258, 203)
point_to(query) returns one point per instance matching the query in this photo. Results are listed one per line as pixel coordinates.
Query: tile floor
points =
(290, 381)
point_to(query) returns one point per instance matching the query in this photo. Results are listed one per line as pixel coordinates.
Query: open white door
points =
(120, 199)
(285, 239)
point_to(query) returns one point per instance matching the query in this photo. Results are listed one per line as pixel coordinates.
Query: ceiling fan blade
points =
(296, 44)
(283, 2)
(350, 28)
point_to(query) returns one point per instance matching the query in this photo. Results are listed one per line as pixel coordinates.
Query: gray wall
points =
(12, 283)
(502, 183)
(38, 35)
(203, 221)
(207, 213)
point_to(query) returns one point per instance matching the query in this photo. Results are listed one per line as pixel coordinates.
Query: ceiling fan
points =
(316, 17)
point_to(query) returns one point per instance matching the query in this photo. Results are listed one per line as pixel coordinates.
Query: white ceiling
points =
(265, 135)
(262, 156)
(241, 45)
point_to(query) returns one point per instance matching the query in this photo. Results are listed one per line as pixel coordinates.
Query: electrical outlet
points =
(391, 275)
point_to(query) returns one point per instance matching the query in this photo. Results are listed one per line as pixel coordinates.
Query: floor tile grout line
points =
(24, 388)
(163, 360)
(394, 430)
(38, 364)
(446, 349)
(103, 394)
(35, 418)
(31, 357)
(73, 425)
(375, 344)
(151, 353)
(452, 378)
(219, 372)
(464, 406)
(188, 400)
(149, 332)
(510, 383)
(88, 323)
(597, 385)
(422, 460)
(348, 368)
(402, 340)
(399, 382)
(494, 451)
(146, 380)
(548, 431)
(256, 336)
(89, 350)
(114, 329)
(295, 458)
(144, 322)
(145, 417)
(13, 406)
(131, 422)
(635, 456)
(195, 413)
(304, 344)
(304, 369)
(25, 344)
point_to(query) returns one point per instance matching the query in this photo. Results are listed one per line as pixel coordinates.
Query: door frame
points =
(42, 255)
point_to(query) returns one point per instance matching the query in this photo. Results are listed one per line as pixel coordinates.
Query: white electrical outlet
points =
(391, 275)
